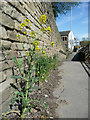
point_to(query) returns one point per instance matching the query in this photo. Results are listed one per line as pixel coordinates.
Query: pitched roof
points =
(64, 33)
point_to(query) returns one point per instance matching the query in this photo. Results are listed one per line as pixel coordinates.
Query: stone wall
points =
(11, 15)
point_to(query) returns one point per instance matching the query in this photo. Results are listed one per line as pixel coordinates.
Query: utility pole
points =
(71, 27)
(71, 18)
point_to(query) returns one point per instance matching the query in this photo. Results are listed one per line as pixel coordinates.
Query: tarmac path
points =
(72, 93)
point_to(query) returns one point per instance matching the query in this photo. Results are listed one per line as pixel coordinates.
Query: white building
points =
(68, 39)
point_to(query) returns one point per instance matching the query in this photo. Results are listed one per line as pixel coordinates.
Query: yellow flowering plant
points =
(37, 65)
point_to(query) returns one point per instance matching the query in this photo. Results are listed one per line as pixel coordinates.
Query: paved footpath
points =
(72, 93)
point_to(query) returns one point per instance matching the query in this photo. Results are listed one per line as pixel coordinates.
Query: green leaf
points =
(15, 60)
(36, 101)
(45, 105)
(22, 94)
(18, 77)
(35, 87)
(13, 100)
(27, 109)
(24, 102)
(20, 63)
(31, 110)
(16, 92)
(23, 46)
(34, 80)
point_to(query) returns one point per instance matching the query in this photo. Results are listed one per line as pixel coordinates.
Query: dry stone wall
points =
(11, 15)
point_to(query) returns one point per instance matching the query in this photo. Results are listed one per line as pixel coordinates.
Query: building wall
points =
(11, 15)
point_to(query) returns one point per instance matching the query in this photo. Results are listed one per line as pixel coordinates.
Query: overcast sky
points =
(79, 21)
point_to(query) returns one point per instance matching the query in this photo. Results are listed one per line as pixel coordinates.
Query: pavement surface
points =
(72, 93)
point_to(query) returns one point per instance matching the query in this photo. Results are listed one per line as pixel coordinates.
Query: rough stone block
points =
(19, 46)
(23, 53)
(3, 76)
(11, 54)
(6, 44)
(3, 33)
(6, 21)
(19, 7)
(17, 25)
(12, 35)
(26, 46)
(13, 46)
(5, 106)
(32, 7)
(23, 38)
(2, 56)
(6, 64)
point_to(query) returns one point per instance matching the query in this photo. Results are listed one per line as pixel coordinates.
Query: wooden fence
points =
(84, 56)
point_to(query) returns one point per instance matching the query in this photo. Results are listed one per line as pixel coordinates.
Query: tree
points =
(84, 43)
(62, 7)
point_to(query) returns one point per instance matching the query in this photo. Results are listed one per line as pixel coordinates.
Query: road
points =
(72, 93)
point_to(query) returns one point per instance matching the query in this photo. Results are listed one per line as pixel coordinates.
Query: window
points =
(63, 38)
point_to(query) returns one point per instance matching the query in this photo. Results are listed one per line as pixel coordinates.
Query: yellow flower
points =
(36, 48)
(45, 56)
(27, 21)
(42, 117)
(43, 19)
(22, 25)
(52, 43)
(32, 33)
(18, 35)
(24, 32)
(42, 76)
(36, 42)
(39, 49)
(43, 29)
(38, 72)
(48, 29)
(27, 53)
(43, 52)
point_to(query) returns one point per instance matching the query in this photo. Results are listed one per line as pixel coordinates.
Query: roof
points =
(64, 33)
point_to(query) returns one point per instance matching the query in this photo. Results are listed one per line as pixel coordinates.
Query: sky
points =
(79, 21)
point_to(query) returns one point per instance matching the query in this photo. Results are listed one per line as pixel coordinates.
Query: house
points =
(68, 39)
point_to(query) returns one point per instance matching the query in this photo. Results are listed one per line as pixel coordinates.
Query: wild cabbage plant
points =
(32, 67)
